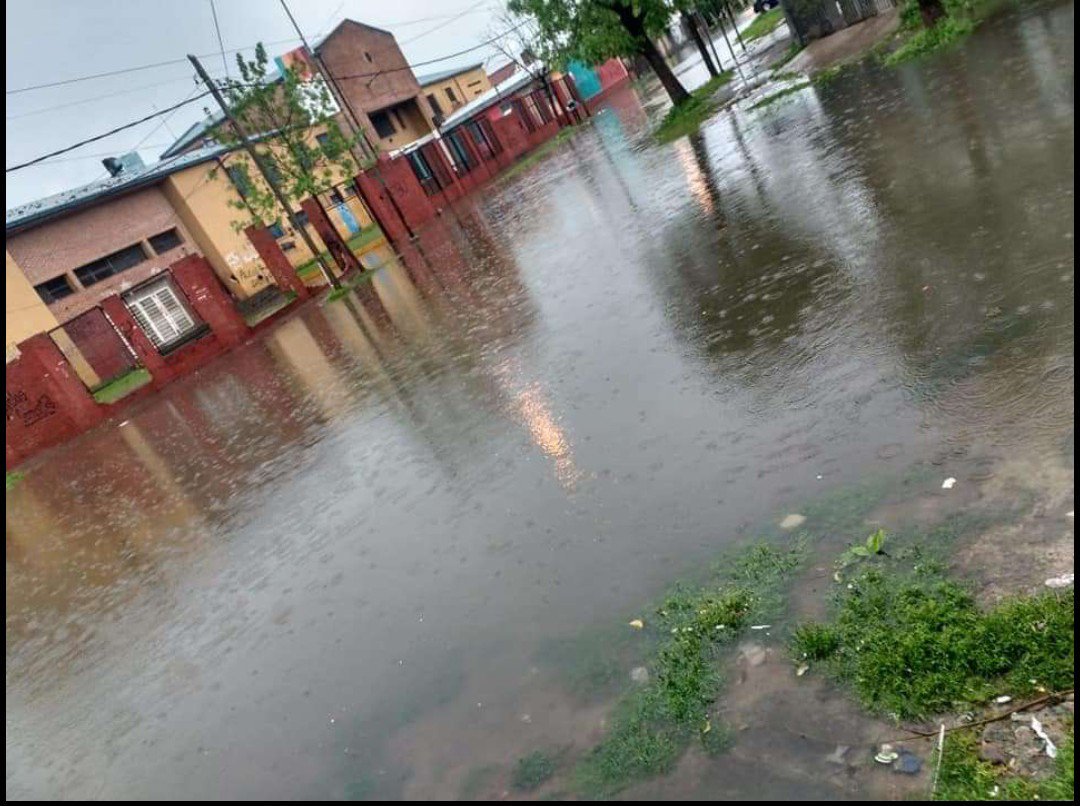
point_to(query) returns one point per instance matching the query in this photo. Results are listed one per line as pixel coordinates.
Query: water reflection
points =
(322, 566)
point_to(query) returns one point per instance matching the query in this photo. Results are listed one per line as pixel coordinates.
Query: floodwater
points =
(323, 566)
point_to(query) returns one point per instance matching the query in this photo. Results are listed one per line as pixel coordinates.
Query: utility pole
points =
(274, 188)
(343, 101)
(708, 37)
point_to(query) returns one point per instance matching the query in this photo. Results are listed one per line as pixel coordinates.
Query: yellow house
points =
(205, 197)
(452, 89)
(26, 314)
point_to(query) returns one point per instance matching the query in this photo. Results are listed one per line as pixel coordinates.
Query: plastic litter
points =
(640, 675)
(837, 756)
(908, 763)
(1063, 581)
(792, 521)
(886, 754)
(1004, 698)
(948, 483)
(1036, 726)
(802, 670)
(760, 626)
(637, 624)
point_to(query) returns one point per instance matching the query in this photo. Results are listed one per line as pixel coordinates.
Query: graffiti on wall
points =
(19, 405)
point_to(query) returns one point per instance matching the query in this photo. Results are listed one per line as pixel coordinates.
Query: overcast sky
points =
(55, 40)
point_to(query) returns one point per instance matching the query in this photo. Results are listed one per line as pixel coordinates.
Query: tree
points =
(931, 11)
(691, 25)
(596, 30)
(282, 117)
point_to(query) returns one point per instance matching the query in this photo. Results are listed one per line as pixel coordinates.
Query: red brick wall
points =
(345, 53)
(46, 403)
(63, 245)
(100, 344)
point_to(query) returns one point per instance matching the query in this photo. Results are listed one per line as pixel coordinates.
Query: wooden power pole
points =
(270, 180)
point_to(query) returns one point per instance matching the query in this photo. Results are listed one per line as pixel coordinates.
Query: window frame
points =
(90, 273)
(51, 297)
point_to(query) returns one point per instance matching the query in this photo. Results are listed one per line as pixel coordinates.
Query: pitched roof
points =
(318, 43)
(41, 210)
(442, 75)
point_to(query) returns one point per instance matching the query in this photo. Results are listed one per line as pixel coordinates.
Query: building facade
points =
(376, 83)
(449, 90)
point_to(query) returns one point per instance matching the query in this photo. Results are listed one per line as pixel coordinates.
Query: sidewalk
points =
(845, 43)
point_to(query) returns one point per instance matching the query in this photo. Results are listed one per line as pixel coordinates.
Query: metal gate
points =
(855, 11)
(95, 349)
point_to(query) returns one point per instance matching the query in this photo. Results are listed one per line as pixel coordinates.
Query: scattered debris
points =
(1063, 581)
(755, 654)
(1036, 726)
(637, 624)
(886, 754)
(126, 422)
(907, 763)
(803, 669)
(792, 521)
(526, 718)
(948, 483)
(760, 626)
(837, 756)
(640, 675)
(1004, 698)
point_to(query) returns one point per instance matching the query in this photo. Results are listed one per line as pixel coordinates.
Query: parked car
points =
(761, 6)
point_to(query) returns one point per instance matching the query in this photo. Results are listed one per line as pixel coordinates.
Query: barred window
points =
(161, 313)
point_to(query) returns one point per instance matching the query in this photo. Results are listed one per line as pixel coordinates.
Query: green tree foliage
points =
(281, 115)
(596, 30)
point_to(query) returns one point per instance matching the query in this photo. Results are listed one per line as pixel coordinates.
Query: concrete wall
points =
(60, 246)
(202, 196)
(25, 314)
(465, 86)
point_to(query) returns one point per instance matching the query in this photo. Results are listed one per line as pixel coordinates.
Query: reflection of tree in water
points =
(976, 206)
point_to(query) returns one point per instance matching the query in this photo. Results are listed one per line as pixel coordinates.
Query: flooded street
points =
(327, 565)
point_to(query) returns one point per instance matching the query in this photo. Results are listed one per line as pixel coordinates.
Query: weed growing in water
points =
(913, 644)
(532, 771)
(653, 725)
(688, 116)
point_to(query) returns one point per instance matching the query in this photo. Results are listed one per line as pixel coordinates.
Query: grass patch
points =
(692, 625)
(946, 33)
(365, 237)
(13, 478)
(913, 644)
(542, 151)
(532, 771)
(963, 17)
(776, 96)
(356, 243)
(763, 25)
(122, 386)
(687, 117)
(964, 777)
(361, 279)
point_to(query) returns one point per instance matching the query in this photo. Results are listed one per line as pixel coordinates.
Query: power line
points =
(221, 44)
(109, 133)
(450, 21)
(135, 69)
(483, 44)
(167, 63)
